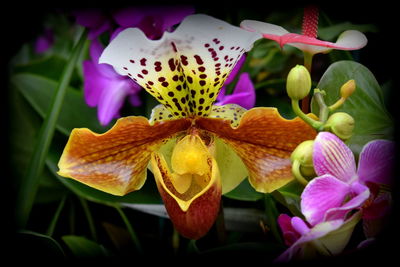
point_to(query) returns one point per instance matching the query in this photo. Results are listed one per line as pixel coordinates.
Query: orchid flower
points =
(196, 151)
(44, 42)
(244, 93)
(341, 187)
(307, 41)
(308, 242)
(104, 87)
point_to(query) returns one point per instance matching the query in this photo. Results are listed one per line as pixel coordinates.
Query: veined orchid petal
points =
(320, 195)
(264, 141)
(376, 163)
(332, 156)
(115, 162)
(185, 69)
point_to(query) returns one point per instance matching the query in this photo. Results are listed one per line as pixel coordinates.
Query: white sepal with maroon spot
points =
(231, 112)
(184, 69)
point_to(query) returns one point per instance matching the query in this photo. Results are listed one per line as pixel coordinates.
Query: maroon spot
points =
(184, 60)
(201, 69)
(158, 68)
(171, 94)
(203, 76)
(175, 78)
(144, 71)
(202, 82)
(143, 62)
(206, 45)
(194, 72)
(221, 47)
(161, 79)
(165, 84)
(226, 58)
(202, 91)
(201, 100)
(171, 64)
(216, 79)
(183, 100)
(193, 92)
(232, 47)
(150, 82)
(211, 95)
(218, 65)
(216, 58)
(179, 87)
(174, 47)
(218, 72)
(189, 79)
(132, 61)
(215, 40)
(198, 60)
(215, 84)
(125, 68)
(181, 78)
(200, 108)
(129, 74)
(237, 48)
(140, 76)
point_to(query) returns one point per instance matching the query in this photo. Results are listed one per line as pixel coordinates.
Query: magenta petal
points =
(131, 17)
(243, 95)
(89, 18)
(318, 231)
(320, 195)
(358, 195)
(93, 83)
(376, 162)
(379, 207)
(105, 70)
(111, 100)
(300, 226)
(174, 15)
(290, 235)
(332, 156)
(235, 70)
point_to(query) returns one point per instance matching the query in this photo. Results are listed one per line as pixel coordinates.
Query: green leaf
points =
(75, 113)
(366, 104)
(244, 191)
(148, 194)
(38, 246)
(82, 247)
(289, 196)
(329, 33)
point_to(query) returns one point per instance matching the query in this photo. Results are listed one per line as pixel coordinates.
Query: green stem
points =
(28, 188)
(323, 108)
(315, 124)
(272, 215)
(337, 104)
(54, 221)
(297, 174)
(130, 229)
(89, 218)
(305, 103)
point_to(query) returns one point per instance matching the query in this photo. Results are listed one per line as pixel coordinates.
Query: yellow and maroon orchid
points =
(196, 151)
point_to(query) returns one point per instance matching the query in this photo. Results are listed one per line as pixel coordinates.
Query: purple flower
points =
(45, 41)
(103, 86)
(243, 94)
(341, 186)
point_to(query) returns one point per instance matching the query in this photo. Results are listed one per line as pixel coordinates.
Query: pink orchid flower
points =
(244, 93)
(340, 186)
(309, 242)
(306, 41)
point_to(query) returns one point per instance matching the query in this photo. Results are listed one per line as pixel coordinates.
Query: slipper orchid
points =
(196, 151)
(307, 41)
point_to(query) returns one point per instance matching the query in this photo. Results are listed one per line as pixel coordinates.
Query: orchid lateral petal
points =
(230, 112)
(359, 194)
(376, 163)
(264, 141)
(115, 162)
(332, 156)
(290, 235)
(320, 195)
(194, 211)
(184, 69)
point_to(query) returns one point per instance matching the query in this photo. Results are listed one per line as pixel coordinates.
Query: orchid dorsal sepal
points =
(341, 124)
(317, 125)
(346, 91)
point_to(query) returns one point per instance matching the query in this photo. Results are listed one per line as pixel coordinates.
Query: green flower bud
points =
(298, 83)
(303, 155)
(348, 88)
(341, 124)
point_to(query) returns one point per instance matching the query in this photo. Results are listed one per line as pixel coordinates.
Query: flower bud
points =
(348, 88)
(341, 124)
(303, 154)
(298, 84)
